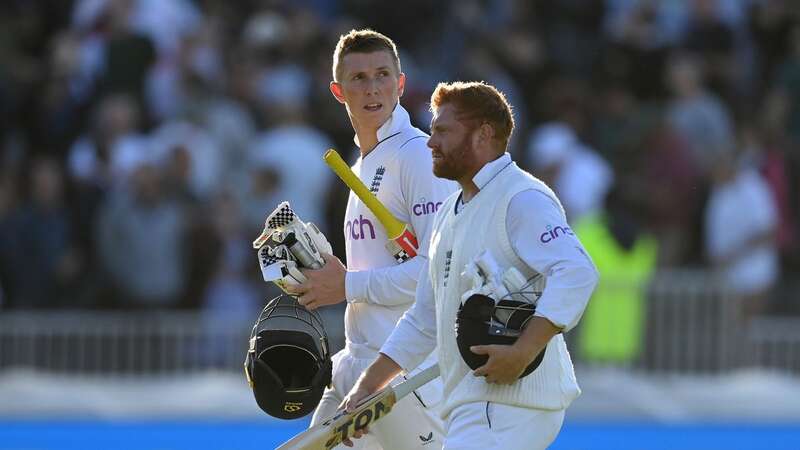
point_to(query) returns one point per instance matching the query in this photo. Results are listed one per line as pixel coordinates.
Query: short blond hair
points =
(477, 101)
(363, 41)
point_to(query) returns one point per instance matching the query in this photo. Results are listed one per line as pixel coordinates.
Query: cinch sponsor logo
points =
(422, 208)
(355, 229)
(553, 233)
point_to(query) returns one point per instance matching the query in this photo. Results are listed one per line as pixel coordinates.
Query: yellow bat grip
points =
(394, 227)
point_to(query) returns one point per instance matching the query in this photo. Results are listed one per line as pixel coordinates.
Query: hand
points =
(376, 376)
(349, 404)
(325, 286)
(506, 363)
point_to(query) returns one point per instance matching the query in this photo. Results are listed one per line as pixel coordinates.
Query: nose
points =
(372, 86)
(431, 144)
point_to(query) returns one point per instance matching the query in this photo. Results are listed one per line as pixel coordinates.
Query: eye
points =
(383, 74)
(358, 76)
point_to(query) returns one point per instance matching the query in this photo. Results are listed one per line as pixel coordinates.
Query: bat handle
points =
(408, 242)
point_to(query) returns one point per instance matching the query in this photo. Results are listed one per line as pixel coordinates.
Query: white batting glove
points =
(277, 267)
(288, 244)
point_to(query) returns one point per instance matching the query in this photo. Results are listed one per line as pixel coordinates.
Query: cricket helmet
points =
(288, 362)
(482, 321)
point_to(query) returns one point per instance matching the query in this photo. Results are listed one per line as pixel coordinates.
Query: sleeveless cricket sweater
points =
(455, 241)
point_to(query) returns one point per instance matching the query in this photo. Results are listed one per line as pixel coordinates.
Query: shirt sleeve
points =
(541, 237)
(423, 193)
(414, 337)
(388, 286)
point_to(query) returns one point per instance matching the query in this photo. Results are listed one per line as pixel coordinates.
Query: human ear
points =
(401, 84)
(336, 90)
(485, 132)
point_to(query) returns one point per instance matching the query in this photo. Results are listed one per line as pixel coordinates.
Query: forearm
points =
(412, 340)
(567, 293)
(534, 338)
(414, 336)
(379, 373)
(387, 286)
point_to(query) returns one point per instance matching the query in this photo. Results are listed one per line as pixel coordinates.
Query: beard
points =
(451, 165)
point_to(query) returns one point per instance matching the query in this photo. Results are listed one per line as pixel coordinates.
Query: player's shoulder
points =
(412, 149)
(535, 199)
(413, 138)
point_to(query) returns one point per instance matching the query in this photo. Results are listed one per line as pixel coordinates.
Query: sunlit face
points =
(451, 145)
(370, 86)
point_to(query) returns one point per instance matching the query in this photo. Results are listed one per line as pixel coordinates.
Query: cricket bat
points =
(402, 241)
(342, 425)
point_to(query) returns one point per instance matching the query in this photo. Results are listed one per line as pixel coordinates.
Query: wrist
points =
(368, 383)
(525, 352)
(379, 374)
(355, 286)
(535, 336)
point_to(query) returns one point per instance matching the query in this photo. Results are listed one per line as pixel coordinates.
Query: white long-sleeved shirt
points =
(543, 240)
(399, 171)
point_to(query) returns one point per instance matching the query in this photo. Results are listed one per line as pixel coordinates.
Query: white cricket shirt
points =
(541, 237)
(399, 171)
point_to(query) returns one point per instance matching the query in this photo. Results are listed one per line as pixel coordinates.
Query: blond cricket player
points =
(395, 164)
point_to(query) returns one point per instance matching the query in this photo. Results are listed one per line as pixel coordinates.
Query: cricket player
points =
(518, 219)
(395, 164)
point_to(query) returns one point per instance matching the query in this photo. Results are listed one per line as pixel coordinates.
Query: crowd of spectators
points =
(143, 142)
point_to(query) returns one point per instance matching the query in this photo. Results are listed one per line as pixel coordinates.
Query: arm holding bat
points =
(355, 420)
(369, 401)
(373, 379)
(412, 340)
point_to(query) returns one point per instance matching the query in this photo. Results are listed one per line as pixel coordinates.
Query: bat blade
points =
(402, 241)
(332, 431)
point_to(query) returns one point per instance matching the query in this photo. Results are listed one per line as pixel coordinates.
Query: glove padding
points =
(496, 309)
(288, 244)
(489, 279)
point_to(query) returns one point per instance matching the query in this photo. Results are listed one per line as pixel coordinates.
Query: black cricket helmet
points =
(482, 321)
(288, 363)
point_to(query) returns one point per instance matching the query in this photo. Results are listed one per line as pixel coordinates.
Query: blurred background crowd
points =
(143, 142)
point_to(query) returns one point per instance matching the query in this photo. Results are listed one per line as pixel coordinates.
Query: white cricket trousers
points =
(489, 425)
(414, 422)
